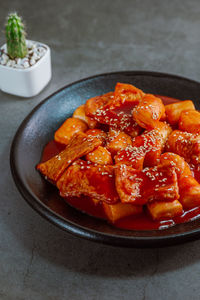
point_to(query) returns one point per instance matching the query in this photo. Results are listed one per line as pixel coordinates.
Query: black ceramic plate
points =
(38, 128)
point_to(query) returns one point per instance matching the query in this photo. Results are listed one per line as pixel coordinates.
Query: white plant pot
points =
(26, 82)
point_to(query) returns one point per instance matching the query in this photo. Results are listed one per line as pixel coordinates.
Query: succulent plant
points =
(16, 37)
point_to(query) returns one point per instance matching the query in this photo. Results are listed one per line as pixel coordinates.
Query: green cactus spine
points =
(16, 37)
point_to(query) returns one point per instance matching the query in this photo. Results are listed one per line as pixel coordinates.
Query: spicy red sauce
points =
(140, 222)
(145, 222)
(196, 172)
(167, 100)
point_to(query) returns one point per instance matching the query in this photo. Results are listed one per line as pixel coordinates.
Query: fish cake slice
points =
(95, 181)
(79, 146)
(185, 144)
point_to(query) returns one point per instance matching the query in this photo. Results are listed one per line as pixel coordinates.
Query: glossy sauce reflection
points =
(140, 222)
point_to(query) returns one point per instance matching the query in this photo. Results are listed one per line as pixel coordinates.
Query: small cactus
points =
(16, 37)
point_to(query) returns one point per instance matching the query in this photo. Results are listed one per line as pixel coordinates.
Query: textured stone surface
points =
(87, 37)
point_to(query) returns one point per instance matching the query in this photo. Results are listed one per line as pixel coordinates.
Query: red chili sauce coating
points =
(139, 222)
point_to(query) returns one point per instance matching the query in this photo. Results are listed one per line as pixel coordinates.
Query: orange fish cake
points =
(150, 184)
(97, 133)
(190, 121)
(127, 93)
(94, 105)
(71, 126)
(95, 181)
(131, 156)
(117, 140)
(169, 159)
(160, 184)
(185, 144)
(78, 147)
(79, 113)
(100, 156)
(189, 192)
(149, 111)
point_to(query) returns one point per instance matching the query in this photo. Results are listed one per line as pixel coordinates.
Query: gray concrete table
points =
(87, 37)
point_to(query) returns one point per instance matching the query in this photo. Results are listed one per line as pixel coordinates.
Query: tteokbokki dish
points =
(130, 158)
